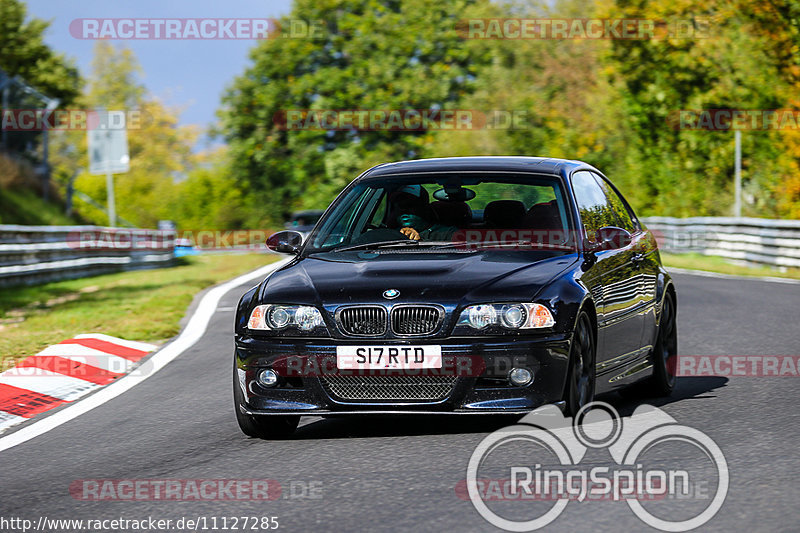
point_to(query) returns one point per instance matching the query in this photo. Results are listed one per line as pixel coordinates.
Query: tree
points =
(613, 102)
(372, 55)
(210, 199)
(24, 53)
(160, 149)
(736, 65)
(556, 87)
(115, 81)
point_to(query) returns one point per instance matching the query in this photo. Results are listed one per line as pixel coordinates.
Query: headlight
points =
(480, 316)
(512, 316)
(266, 317)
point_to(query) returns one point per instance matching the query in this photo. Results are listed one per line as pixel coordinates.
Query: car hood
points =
(358, 277)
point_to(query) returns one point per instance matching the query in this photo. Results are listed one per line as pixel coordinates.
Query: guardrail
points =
(38, 254)
(754, 241)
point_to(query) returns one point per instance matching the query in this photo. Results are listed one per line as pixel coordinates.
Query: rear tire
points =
(581, 375)
(261, 427)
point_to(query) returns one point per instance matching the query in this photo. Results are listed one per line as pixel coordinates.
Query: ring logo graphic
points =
(521, 477)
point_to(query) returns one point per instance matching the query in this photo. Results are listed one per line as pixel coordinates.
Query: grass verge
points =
(24, 206)
(694, 261)
(143, 305)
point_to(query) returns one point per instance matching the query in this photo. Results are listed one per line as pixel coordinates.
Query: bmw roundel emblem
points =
(391, 294)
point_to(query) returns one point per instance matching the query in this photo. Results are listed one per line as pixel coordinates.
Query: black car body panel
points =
(621, 289)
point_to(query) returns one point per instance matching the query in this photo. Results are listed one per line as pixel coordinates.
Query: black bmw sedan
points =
(472, 285)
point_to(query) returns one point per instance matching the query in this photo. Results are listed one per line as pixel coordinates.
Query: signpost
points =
(737, 174)
(108, 151)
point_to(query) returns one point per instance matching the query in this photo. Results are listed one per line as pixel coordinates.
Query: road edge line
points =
(720, 275)
(193, 331)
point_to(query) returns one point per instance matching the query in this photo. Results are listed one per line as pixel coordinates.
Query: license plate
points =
(380, 357)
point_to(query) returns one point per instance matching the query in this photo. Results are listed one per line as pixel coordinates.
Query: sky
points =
(190, 74)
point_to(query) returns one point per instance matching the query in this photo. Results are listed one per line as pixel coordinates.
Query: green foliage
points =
(160, 149)
(209, 198)
(114, 83)
(373, 55)
(21, 196)
(682, 172)
(24, 53)
(25, 206)
(612, 103)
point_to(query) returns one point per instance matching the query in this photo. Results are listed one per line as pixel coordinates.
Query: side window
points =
(344, 219)
(380, 210)
(618, 205)
(595, 209)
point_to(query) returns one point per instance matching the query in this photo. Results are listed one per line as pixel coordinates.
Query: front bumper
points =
(478, 365)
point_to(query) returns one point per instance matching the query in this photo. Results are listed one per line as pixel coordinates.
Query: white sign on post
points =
(108, 150)
(108, 142)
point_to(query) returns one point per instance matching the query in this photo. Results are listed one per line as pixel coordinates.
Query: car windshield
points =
(447, 211)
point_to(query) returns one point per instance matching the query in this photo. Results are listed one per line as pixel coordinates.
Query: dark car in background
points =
(475, 285)
(303, 221)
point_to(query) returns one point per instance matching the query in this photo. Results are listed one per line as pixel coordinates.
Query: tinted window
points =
(618, 205)
(337, 230)
(595, 209)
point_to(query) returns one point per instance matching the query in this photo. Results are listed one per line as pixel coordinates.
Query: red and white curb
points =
(63, 373)
(191, 334)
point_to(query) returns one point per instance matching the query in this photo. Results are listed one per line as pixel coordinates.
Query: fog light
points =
(520, 376)
(268, 378)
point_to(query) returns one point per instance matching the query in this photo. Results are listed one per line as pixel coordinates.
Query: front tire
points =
(664, 356)
(261, 427)
(581, 375)
(666, 349)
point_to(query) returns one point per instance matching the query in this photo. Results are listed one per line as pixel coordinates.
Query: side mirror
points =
(285, 242)
(608, 238)
(612, 238)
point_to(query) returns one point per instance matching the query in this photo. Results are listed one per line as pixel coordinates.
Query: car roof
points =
(539, 165)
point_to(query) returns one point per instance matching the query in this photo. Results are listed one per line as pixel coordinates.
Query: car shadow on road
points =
(687, 388)
(371, 426)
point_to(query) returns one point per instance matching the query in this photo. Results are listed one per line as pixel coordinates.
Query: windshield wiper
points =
(384, 244)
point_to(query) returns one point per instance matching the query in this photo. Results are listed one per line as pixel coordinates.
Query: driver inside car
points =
(411, 211)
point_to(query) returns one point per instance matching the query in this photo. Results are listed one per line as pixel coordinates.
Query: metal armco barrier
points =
(755, 241)
(38, 254)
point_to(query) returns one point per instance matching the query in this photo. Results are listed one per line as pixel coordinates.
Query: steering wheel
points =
(373, 226)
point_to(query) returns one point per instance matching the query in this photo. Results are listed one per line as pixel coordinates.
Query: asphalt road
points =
(399, 474)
